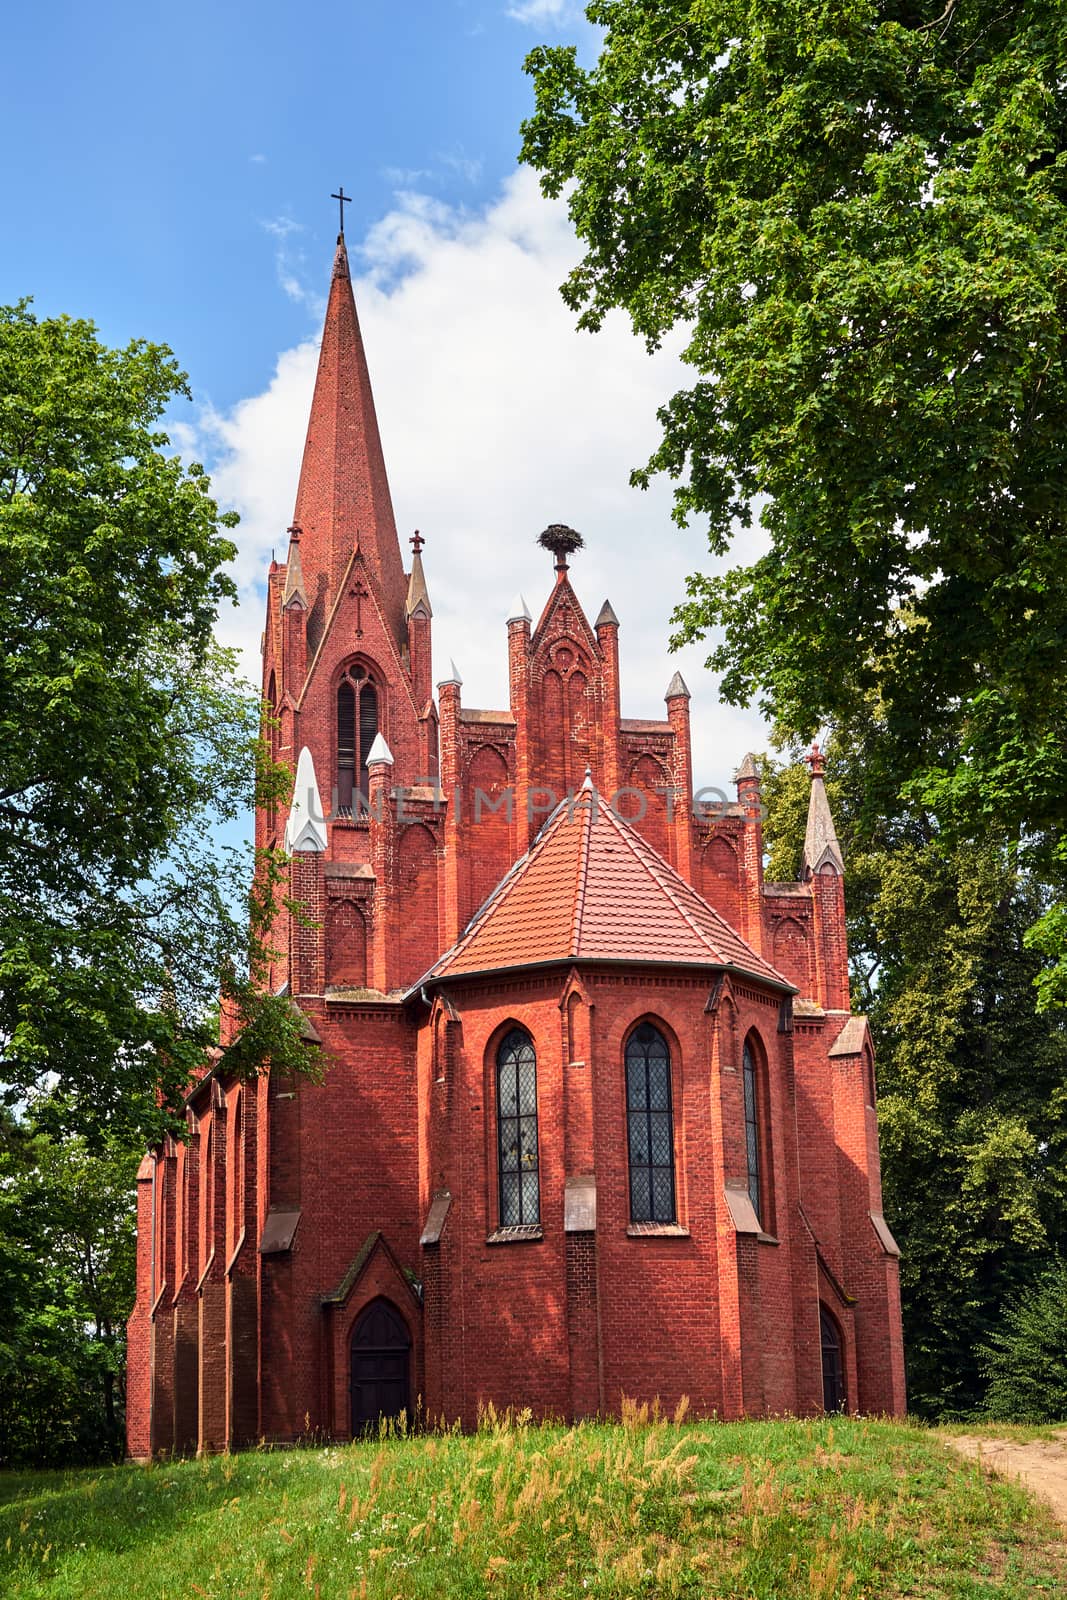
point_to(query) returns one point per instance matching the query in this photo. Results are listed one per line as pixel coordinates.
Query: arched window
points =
(273, 732)
(272, 739)
(868, 1078)
(357, 725)
(753, 1131)
(650, 1125)
(516, 1083)
(833, 1367)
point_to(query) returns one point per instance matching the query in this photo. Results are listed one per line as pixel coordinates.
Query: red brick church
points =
(596, 1119)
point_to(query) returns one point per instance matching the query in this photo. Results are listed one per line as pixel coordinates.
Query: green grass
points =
(748, 1511)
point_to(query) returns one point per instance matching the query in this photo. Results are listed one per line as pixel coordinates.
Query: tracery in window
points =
(516, 1079)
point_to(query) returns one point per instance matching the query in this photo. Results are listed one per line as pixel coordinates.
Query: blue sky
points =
(150, 148)
(169, 174)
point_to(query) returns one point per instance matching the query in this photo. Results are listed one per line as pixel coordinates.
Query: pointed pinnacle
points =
(379, 751)
(821, 845)
(453, 676)
(305, 831)
(606, 617)
(294, 575)
(520, 611)
(747, 769)
(418, 594)
(676, 689)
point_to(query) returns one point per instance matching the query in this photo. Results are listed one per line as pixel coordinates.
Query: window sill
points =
(657, 1230)
(523, 1233)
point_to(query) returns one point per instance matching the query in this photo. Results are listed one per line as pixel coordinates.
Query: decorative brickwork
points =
(440, 912)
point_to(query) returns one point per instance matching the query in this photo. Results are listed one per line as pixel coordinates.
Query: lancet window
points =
(650, 1125)
(753, 1130)
(357, 725)
(516, 1077)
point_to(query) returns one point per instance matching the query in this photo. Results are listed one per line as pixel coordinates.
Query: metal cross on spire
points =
(342, 201)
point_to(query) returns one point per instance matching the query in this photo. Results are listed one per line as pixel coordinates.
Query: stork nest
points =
(560, 539)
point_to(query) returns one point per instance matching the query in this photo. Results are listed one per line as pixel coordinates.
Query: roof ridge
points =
(495, 897)
(583, 870)
(630, 835)
(670, 880)
(572, 913)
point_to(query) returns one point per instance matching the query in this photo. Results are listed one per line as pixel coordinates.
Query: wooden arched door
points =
(833, 1366)
(381, 1361)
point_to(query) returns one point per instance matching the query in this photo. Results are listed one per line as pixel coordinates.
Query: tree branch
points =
(945, 17)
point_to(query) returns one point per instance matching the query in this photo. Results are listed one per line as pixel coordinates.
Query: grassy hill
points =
(750, 1511)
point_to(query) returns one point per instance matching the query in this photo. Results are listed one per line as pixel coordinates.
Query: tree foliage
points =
(126, 744)
(972, 1081)
(67, 1263)
(856, 210)
(1025, 1360)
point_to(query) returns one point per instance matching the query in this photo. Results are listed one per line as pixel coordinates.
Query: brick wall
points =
(227, 1344)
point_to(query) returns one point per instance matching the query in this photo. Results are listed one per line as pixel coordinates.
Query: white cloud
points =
(405, 177)
(536, 11)
(497, 418)
(290, 263)
(469, 168)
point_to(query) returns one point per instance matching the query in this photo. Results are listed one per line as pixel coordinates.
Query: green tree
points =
(1026, 1358)
(67, 1264)
(972, 1081)
(856, 210)
(126, 743)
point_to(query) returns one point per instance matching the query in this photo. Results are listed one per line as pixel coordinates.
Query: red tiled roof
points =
(591, 888)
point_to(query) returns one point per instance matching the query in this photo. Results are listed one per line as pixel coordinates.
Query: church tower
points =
(346, 675)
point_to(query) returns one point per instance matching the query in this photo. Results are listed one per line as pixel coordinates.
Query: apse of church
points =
(596, 1120)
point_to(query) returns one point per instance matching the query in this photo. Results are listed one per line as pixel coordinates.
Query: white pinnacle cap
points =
(520, 611)
(306, 827)
(379, 751)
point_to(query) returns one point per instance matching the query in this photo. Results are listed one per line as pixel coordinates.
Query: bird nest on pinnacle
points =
(560, 539)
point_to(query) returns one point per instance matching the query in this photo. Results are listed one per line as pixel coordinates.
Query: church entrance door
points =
(381, 1356)
(833, 1373)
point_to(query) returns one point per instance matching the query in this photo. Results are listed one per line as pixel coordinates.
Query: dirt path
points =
(1040, 1464)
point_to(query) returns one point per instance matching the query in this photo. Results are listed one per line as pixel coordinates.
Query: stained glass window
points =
(650, 1126)
(516, 1077)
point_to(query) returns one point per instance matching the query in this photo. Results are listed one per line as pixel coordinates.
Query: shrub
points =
(1025, 1360)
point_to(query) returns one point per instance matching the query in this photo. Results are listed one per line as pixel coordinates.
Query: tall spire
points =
(343, 499)
(821, 847)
